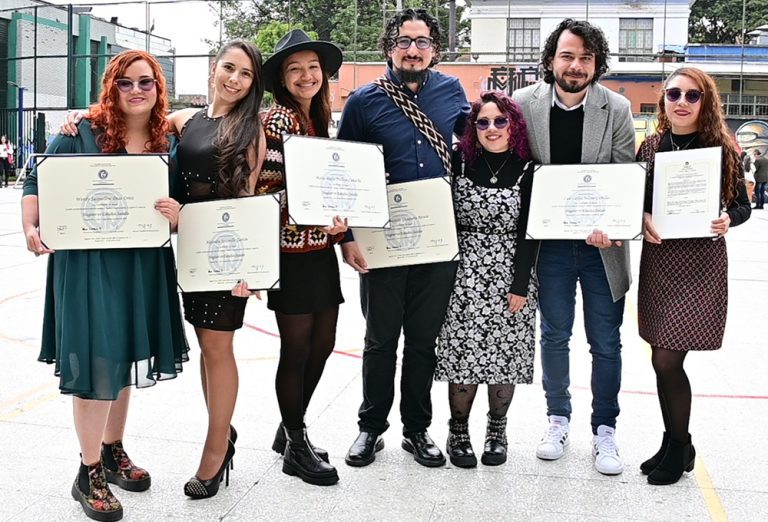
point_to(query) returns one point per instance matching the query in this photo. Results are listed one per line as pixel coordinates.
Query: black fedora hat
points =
(297, 40)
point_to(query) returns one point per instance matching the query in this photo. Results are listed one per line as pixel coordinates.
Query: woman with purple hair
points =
(488, 335)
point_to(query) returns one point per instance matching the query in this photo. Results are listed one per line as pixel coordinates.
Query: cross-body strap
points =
(419, 119)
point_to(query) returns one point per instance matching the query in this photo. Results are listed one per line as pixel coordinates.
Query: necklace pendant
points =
(494, 180)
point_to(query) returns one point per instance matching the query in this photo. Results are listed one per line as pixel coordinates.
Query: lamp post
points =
(20, 122)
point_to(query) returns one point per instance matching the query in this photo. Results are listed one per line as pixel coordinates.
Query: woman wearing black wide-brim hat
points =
(307, 305)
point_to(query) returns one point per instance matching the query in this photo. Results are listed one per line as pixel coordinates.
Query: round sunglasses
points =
(422, 42)
(126, 85)
(675, 93)
(499, 122)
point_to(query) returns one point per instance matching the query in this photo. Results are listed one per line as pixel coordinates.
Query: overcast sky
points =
(186, 24)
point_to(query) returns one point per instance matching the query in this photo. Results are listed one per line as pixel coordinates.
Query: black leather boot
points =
(495, 449)
(301, 460)
(650, 464)
(679, 457)
(278, 445)
(459, 447)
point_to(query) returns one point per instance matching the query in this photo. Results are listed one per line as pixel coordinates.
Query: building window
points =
(523, 39)
(648, 108)
(635, 39)
(95, 76)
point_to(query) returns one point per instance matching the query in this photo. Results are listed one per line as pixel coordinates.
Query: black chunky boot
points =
(495, 449)
(278, 445)
(679, 457)
(91, 489)
(301, 460)
(459, 447)
(650, 464)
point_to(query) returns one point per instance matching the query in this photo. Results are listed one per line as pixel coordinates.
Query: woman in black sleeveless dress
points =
(220, 153)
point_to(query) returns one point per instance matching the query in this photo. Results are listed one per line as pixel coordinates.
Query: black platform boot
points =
(301, 460)
(459, 447)
(679, 457)
(278, 445)
(120, 470)
(91, 489)
(495, 449)
(650, 464)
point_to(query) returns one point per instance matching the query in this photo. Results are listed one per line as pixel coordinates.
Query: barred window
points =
(524, 39)
(635, 39)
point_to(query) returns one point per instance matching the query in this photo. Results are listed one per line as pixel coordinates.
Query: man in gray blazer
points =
(572, 119)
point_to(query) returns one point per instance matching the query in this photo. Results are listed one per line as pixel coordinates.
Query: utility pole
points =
(452, 27)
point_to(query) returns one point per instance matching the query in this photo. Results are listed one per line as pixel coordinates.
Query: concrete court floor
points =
(166, 427)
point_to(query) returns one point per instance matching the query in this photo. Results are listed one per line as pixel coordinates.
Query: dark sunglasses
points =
(422, 42)
(145, 84)
(691, 96)
(499, 122)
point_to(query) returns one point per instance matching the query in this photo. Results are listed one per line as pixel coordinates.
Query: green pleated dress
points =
(112, 317)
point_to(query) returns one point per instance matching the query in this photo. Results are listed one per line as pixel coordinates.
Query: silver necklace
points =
(495, 174)
(675, 146)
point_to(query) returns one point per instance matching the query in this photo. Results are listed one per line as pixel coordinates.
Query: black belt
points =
(485, 230)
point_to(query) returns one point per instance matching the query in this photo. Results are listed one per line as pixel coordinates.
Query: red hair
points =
(107, 115)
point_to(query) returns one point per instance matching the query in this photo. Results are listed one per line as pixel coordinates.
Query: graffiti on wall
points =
(753, 135)
(509, 78)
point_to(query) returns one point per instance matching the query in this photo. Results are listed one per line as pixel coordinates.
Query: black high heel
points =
(197, 489)
(233, 439)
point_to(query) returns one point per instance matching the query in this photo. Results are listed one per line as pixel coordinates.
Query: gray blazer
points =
(609, 137)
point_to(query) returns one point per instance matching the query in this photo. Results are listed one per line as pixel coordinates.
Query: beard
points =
(567, 85)
(411, 75)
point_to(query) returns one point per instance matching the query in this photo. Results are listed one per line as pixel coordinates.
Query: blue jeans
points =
(760, 194)
(560, 265)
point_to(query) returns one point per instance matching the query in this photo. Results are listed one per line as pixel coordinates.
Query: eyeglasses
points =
(691, 96)
(422, 42)
(145, 84)
(500, 122)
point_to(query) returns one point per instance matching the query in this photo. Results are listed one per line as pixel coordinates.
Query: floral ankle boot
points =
(92, 491)
(120, 470)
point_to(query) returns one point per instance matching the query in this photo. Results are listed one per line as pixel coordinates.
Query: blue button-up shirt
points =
(371, 116)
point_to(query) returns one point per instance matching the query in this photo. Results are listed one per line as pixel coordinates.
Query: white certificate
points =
(423, 226)
(102, 201)
(225, 240)
(686, 192)
(326, 178)
(570, 201)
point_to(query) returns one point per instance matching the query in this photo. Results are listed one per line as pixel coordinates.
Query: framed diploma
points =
(225, 240)
(326, 178)
(686, 192)
(570, 201)
(102, 200)
(423, 226)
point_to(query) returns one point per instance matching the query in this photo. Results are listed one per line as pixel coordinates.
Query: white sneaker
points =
(606, 452)
(555, 439)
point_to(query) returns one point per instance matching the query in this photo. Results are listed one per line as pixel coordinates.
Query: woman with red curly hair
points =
(112, 317)
(683, 287)
(488, 334)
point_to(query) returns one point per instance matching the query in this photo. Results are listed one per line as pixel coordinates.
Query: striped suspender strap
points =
(419, 119)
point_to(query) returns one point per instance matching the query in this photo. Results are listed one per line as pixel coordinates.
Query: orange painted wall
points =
(473, 78)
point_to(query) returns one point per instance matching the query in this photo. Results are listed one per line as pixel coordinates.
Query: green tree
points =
(719, 21)
(268, 36)
(355, 25)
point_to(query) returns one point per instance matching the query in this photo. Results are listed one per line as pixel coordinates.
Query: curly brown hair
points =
(106, 114)
(712, 128)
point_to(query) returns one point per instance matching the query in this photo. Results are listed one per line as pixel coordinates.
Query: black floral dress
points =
(481, 341)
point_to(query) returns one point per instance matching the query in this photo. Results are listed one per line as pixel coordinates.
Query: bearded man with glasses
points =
(572, 119)
(407, 299)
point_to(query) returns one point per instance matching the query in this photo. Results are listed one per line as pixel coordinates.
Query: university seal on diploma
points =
(102, 201)
(225, 240)
(422, 226)
(570, 201)
(326, 178)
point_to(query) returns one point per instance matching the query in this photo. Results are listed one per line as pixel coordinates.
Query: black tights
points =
(461, 397)
(306, 342)
(674, 390)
